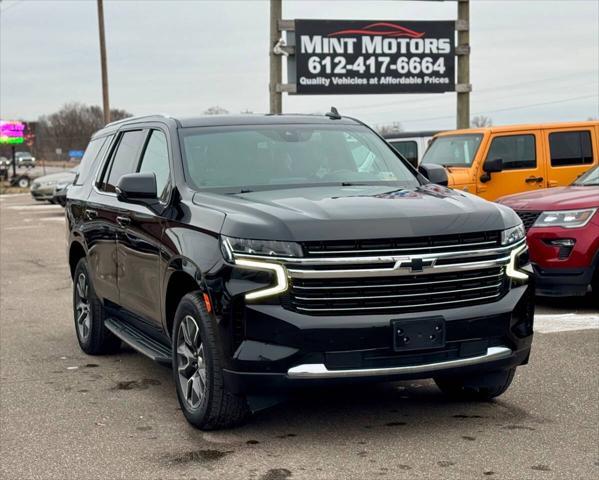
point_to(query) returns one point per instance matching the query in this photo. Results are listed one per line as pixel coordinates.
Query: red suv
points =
(562, 227)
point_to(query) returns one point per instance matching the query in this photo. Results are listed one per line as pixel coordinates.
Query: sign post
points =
(463, 88)
(276, 67)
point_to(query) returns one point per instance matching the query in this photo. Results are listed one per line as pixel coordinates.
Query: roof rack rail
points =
(333, 114)
(138, 117)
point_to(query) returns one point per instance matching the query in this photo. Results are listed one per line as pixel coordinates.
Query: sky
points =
(531, 61)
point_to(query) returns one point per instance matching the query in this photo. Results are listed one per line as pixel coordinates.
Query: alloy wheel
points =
(83, 319)
(191, 367)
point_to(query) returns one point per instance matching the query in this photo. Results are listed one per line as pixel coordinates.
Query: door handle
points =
(123, 221)
(90, 214)
(534, 179)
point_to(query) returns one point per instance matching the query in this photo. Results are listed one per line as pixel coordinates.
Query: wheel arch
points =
(76, 252)
(183, 277)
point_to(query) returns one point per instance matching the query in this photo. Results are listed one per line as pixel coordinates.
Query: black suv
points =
(261, 253)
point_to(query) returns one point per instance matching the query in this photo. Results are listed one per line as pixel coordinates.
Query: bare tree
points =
(216, 110)
(70, 128)
(395, 127)
(481, 121)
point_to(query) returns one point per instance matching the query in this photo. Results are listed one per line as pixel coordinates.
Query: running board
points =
(139, 340)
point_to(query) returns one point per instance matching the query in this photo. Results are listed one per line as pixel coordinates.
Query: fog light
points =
(561, 242)
(565, 246)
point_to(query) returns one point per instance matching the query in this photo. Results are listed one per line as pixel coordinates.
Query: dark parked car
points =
(256, 254)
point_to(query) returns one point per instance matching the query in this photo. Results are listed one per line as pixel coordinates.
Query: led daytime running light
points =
(280, 273)
(511, 267)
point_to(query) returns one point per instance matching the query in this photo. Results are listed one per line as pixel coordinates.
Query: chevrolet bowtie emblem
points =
(417, 264)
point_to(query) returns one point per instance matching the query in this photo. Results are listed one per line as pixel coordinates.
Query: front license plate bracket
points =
(418, 333)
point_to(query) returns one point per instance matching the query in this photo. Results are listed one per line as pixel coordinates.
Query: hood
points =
(336, 213)
(56, 177)
(559, 198)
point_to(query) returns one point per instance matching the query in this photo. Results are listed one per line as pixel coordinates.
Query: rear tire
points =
(477, 387)
(88, 313)
(198, 369)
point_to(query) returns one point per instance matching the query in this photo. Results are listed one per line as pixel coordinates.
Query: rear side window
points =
(95, 150)
(409, 150)
(517, 151)
(124, 159)
(155, 160)
(570, 148)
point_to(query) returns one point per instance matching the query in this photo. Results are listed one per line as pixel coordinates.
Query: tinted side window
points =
(570, 148)
(93, 153)
(125, 158)
(155, 160)
(408, 149)
(517, 151)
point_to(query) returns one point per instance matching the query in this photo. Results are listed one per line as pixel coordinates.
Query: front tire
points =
(482, 387)
(88, 313)
(198, 369)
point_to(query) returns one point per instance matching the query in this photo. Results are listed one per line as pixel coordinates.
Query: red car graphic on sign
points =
(383, 29)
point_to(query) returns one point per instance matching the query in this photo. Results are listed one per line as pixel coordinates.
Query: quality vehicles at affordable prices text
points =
(496, 161)
(261, 253)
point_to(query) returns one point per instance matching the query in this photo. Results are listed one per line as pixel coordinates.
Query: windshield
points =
(453, 150)
(590, 178)
(239, 158)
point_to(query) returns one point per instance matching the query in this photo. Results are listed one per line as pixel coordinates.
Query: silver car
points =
(43, 188)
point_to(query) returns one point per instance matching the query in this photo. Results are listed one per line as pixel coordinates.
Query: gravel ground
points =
(65, 415)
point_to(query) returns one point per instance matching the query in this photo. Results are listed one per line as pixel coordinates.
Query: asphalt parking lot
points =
(65, 415)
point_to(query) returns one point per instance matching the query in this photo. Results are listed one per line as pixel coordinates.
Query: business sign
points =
(12, 133)
(76, 153)
(354, 56)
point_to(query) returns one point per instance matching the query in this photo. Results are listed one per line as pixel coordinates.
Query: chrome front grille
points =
(396, 294)
(421, 275)
(403, 246)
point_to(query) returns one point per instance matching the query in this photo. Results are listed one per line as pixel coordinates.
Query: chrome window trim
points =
(319, 370)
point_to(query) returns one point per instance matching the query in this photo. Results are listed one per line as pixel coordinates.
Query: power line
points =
(475, 92)
(518, 107)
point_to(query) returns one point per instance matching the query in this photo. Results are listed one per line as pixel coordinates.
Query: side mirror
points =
(490, 166)
(494, 165)
(435, 173)
(137, 188)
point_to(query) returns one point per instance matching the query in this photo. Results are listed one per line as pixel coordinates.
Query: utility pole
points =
(463, 86)
(276, 70)
(105, 102)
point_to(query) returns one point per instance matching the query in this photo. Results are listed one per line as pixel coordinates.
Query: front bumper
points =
(287, 350)
(564, 275)
(43, 193)
(563, 282)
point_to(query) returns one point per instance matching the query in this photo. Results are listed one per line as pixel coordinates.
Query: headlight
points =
(513, 235)
(565, 218)
(267, 248)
